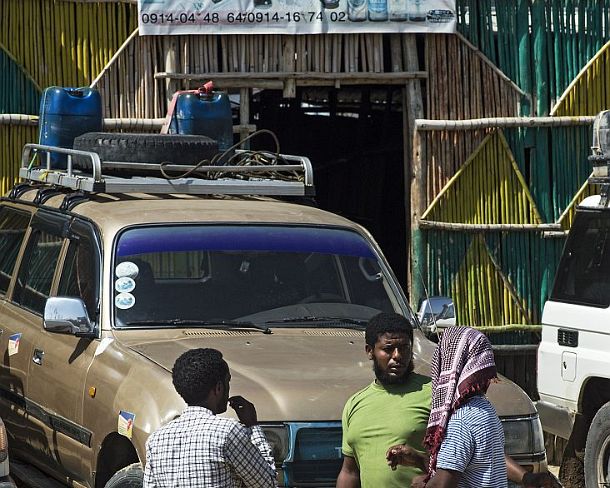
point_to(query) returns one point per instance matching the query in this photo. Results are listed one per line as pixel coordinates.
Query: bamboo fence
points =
(486, 243)
(563, 37)
(510, 58)
(555, 52)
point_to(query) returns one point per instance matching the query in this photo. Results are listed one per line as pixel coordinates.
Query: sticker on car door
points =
(125, 425)
(13, 344)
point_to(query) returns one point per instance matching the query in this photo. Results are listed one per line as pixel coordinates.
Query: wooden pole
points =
(478, 228)
(502, 122)
(172, 54)
(415, 178)
(244, 114)
(288, 49)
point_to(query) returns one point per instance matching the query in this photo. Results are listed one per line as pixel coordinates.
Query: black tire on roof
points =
(147, 148)
(131, 476)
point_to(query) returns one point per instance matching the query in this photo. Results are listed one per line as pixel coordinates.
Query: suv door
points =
(23, 322)
(13, 231)
(57, 377)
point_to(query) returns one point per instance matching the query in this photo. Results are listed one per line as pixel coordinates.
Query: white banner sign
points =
(158, 17)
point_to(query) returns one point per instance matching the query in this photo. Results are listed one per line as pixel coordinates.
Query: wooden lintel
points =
(302, 78)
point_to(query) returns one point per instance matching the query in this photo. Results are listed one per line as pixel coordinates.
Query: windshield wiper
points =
(211, 324)
(312, 318)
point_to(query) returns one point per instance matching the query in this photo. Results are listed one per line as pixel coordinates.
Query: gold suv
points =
(106, 280)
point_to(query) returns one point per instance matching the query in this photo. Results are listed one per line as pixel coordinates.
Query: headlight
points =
(523, 436)
(278, 438)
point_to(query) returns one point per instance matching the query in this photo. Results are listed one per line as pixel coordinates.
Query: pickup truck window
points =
(260, 274)
(583, 276)
(36, 271)
(13, 225)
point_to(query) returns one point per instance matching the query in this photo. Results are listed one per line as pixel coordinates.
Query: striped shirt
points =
(199, 449)
(474, 446)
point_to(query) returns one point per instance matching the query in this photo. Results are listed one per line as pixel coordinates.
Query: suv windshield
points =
(247, 276)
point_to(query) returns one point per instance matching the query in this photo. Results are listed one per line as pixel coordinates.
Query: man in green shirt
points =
(384, 424)
(392, 410)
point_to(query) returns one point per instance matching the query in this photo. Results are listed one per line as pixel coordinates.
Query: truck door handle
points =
(38, 356)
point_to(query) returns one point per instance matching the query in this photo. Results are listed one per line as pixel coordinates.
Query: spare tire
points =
(144, 148)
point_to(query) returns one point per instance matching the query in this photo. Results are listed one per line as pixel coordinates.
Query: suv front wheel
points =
(131, 476)
(597, 450)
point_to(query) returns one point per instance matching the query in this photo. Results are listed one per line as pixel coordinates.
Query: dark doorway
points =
(354, 138)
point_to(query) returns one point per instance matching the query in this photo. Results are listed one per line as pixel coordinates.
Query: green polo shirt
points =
(378, 417)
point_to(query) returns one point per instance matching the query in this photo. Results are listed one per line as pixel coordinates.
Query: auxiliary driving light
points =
(600, 148)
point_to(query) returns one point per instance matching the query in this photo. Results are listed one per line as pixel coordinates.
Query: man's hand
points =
(537, 480)
(245, 410)
(405, 456)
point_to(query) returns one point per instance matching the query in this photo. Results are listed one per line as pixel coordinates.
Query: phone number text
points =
(240, 17)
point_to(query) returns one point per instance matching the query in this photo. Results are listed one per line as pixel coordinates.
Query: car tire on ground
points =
(597, 449)
(131, 476)
(146, 148)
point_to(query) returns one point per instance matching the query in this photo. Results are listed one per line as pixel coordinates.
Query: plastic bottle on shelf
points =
(329, 4)
(398, 10)
(356, 10)
(378, 10)
(416, 12)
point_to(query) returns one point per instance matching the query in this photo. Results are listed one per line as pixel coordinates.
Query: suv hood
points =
(300, 375)
(297, 374)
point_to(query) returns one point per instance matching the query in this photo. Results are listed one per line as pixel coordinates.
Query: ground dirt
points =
(572, 474)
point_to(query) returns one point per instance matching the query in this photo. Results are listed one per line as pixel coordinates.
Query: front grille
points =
(316, 473)
(317, 457)
(568, 338)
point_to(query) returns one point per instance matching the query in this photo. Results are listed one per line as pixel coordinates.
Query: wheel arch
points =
(116, 452)
(594, 394)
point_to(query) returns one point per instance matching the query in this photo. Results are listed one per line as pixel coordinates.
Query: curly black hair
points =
(387, 322)
(196, 372)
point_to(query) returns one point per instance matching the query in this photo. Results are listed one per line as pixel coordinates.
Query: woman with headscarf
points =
(464, 437)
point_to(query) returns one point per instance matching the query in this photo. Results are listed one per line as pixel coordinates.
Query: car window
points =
(80, 274)
(583, 275)
(168, 275)
(36, 271)
(13, 224)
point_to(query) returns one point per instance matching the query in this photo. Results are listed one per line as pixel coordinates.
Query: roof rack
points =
(293, 177)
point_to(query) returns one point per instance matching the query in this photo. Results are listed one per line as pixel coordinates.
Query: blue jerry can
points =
(66, 113)
(205, 114)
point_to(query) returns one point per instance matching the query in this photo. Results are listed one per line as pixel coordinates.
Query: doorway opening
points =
(354, 138)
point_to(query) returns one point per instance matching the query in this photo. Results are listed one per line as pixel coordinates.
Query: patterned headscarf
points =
(462, 366)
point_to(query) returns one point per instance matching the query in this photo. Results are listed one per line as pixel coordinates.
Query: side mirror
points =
(67, 315)
(432, 309)
(444, 313)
